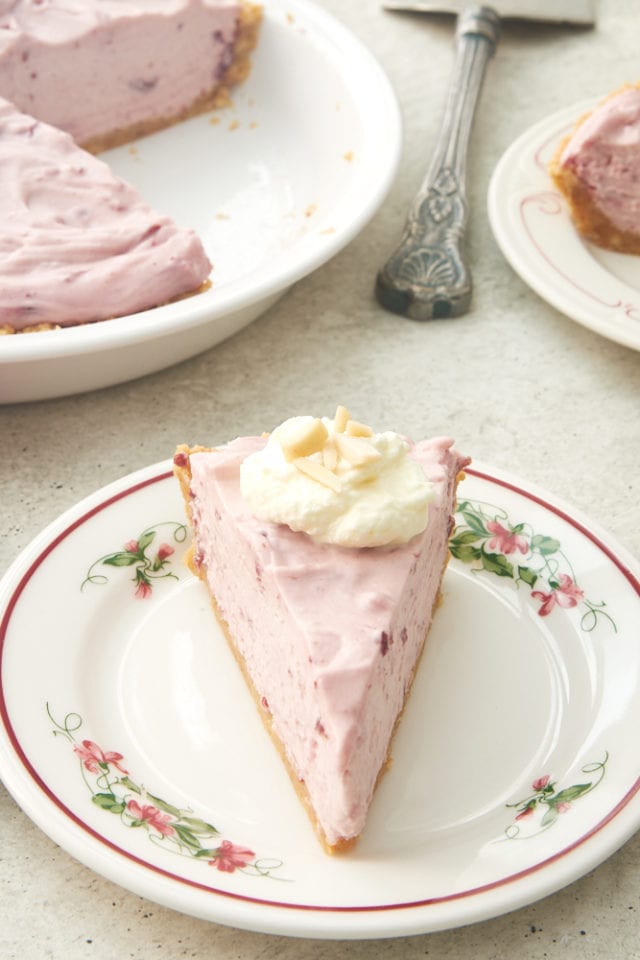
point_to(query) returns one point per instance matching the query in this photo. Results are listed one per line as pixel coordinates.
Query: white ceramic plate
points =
(515, 767)
(531, 224)
(279, 184)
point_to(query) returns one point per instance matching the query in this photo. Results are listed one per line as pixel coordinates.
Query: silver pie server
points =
(428, 277)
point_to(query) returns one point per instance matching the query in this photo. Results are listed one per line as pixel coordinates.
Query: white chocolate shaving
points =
(316, 471)
(356, 450)
(356, 429)
(330, 455)
(303, 439)
(341, 419)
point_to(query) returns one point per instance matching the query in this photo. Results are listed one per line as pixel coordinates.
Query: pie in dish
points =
(109, 72)
(597, 169)
(323, 548)
(77, 245)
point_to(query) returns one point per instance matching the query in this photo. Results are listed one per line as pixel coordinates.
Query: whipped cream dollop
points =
(339, 482)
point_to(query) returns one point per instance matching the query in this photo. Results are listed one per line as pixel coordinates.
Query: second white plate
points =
(127, 734)
(531, 224)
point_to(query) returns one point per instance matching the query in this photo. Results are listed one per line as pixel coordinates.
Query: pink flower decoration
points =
(547, 602)
(132, 546)
(92, 756)
(164, 551)
(143, 590)
(541, 782)
(563, 806)
(527, 812)
(566, 594)
(228, 856)
(154, 817)
(505, 541)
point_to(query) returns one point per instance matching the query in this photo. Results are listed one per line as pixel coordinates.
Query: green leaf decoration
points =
(527, 575)
(544, 545)
(465, 536)
(186, 836)
(474, 522)
(570, 793)
(121, 559)
(465, 552)
(550, 817)
(497, 563)
(165, 807)
(200, 826)
(108, 801)
(130, 785)
(145, 540)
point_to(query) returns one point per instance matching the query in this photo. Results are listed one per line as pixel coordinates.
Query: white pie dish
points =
(275, 185)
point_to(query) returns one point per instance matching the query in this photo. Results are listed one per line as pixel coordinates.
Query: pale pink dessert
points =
(328, 636)
(108, 71)
(76, 243)
(597, 168)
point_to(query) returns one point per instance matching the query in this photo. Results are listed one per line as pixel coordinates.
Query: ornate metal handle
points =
(427, 277)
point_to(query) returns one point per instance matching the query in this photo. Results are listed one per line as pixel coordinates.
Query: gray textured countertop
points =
(518, 384)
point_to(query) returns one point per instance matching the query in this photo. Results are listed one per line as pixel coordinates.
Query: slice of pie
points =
(77, 244)
(323, 547)
(597, 169)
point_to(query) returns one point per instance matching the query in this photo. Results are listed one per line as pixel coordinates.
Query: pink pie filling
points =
(76, 243)
(604, 153)
(95, 66)
(329, 635)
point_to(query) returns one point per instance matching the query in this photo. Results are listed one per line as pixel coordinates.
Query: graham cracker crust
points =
(588, 219)
(6, 329)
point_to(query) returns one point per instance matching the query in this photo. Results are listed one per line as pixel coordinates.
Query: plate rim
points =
(293, 919)
(533, 139)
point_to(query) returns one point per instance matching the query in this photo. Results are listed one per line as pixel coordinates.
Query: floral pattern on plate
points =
(552, 801)
(148, 567)
(175, 829)
(487, 539)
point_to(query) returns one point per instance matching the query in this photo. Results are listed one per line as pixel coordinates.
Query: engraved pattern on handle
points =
(427, 277)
